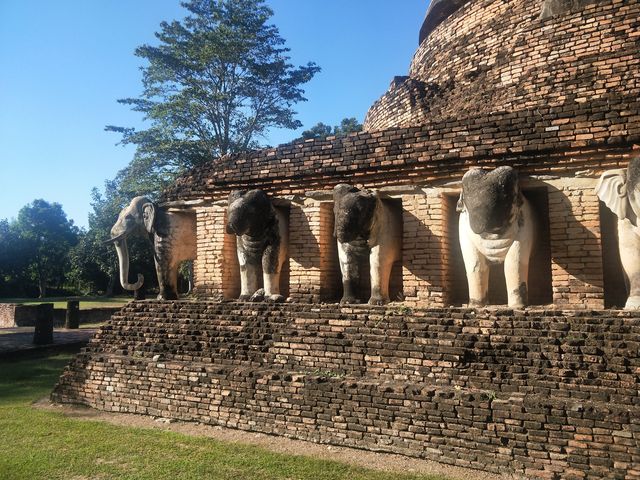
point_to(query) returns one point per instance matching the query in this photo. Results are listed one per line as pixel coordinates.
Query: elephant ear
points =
(149, 216)
(612, 190)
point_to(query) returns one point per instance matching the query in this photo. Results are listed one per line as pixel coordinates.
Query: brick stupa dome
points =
(480, 57)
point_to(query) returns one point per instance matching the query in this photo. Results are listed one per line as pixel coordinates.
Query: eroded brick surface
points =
(544, 393)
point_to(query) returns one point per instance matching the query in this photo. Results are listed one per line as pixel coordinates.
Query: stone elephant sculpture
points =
(365, 225)
(496, 226)
(262, 233)
(172, 235)
(619, 190)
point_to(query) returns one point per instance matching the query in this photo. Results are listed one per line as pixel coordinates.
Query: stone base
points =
(547, 394)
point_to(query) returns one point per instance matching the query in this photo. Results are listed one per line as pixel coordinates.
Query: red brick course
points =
(548, 394)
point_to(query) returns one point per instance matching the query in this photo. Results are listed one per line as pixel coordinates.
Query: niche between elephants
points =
(540, 283)
(615, 287)
(360, 254)
(231, 279)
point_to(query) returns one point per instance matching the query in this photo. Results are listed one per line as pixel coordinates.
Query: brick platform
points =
(548, 394)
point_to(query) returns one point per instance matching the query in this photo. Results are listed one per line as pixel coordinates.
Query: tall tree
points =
(46, 235)
(217, 81)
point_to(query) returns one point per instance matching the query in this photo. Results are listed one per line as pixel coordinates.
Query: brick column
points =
(304, 251)
(576, 247)
(425, 255)
(216, 270)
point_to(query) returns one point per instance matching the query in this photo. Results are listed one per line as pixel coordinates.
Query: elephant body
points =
(496, 226)
(172, 235)
(365, 225)
(618, 189)
(262, 240)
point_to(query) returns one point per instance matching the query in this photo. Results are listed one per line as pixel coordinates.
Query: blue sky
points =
(64, 63)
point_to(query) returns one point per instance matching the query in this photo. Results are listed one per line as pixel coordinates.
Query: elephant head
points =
(354, 210)
(490, 198)
(618, 189)
(138, 216)
(249, 213)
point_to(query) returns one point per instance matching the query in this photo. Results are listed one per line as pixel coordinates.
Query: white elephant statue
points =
(496, 226)
(618, 190)
(262, 243)
(173, 237)
(365, 225)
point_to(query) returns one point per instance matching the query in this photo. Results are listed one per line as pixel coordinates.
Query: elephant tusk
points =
(114, 239)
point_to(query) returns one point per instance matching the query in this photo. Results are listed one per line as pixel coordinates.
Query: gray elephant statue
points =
(262, 233)
(618, 190)
(365, 225)
(172, 235)
(496, 226)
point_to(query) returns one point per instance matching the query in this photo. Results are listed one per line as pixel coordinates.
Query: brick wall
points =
(425, 248)
(540, 393)
(495, 55)
(216, 270)
(576, 250)
(307, 249)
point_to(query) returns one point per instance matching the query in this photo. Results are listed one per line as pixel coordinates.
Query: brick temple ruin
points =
(550, 88)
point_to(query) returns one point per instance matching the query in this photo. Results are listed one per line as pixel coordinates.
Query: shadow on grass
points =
(29, 379)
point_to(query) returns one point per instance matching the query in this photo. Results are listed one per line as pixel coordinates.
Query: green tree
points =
(45, 237)
(321, 131)
(217, 81)
(347, 126)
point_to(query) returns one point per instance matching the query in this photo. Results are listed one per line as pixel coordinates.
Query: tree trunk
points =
(42, 285)
(112, 283)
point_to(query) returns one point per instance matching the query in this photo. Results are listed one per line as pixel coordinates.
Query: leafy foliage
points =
(321, 131)
(217, 81)
(214, 84)
(35, 246)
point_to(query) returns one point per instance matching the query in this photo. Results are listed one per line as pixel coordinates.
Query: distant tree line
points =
(35, 250)
(214, 83)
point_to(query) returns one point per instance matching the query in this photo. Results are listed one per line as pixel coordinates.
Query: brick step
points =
(421, 419)
(567, 355)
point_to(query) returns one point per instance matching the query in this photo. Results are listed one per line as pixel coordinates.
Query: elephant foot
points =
(378, 300)
(477, 303)
(519, 297)
(274, 298)
(167, 296)
(244, 298)
(633, 303)
(349, 300)
(258, 296)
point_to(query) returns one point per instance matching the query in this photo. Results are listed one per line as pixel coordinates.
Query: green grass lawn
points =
(38, 444)
(86, 303)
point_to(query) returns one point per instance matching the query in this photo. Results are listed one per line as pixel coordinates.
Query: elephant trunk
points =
(123, 262)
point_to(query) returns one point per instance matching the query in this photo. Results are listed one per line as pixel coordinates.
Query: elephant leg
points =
(271, 268)
(516, 272)
(478, 279)
(249, 273)
(167, 281)
(475, 264)
(380, 263)
(629, 243)
(350, 273)
(249, 281)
